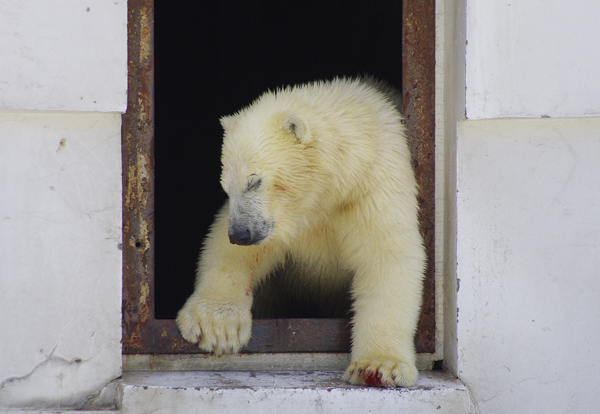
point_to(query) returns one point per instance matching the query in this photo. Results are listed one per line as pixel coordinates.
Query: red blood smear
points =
(373, 380)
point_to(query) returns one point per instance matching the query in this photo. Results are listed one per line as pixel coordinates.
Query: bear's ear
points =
(296, 126)
(228, 122)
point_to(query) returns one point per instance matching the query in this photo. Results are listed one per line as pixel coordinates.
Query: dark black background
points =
(212, 59)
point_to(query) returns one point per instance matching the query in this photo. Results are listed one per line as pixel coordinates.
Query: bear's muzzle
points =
(242, 236)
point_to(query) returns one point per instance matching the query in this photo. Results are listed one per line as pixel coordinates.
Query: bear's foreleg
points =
(387, 298)
(217, 315)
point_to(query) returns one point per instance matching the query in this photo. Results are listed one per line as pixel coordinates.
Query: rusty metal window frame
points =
(142, 333)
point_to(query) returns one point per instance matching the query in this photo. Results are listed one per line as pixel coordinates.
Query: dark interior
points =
(212, 59)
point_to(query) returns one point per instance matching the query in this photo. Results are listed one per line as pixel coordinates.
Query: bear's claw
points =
(221, 328)
(381, 373)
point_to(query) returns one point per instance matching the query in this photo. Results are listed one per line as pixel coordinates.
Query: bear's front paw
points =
(217, 327)
(381, 373)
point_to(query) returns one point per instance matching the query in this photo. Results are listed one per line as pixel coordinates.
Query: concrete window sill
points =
(286, 392)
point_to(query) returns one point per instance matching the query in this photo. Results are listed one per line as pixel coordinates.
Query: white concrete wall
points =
(63, 55)
(528, 228)
(529, 264)
(60, 201)
(60, 273)
(528, 58)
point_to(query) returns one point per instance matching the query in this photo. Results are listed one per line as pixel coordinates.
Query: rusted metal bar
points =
(418, 93)
(138, 178)
(268, 335)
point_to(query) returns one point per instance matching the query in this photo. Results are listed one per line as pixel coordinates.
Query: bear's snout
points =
(247, 224)
(241, 236)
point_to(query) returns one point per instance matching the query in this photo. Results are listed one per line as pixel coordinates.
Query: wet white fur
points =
(339, 192)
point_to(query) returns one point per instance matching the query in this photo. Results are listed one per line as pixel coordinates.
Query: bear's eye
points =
(254, 182)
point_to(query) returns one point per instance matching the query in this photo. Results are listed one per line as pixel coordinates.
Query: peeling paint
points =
(16, 379)
(109, 397)
(146, 18)
(55, 383)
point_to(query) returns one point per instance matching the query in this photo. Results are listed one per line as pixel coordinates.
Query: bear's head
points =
(268, 172)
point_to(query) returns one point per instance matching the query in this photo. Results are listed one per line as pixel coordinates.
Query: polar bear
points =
(320, 183)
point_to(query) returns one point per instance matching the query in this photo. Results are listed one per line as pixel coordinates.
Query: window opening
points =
(210, 61)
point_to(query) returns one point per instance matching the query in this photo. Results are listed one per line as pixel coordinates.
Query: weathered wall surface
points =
(532, 58)
(528, 228)
(528, 264)
(63, 85)
(60, 273)
(63, 55)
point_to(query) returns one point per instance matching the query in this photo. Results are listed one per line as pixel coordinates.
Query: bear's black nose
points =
(241, 236)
